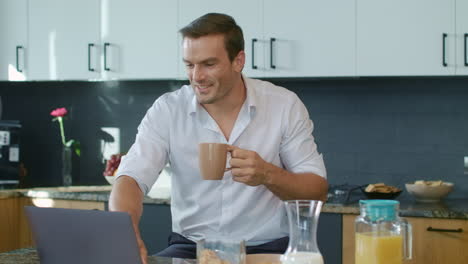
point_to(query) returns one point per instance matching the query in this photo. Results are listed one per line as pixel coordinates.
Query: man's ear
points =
(239, 61)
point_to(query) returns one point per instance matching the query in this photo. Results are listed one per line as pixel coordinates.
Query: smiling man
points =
(212, 73)
(273, 153)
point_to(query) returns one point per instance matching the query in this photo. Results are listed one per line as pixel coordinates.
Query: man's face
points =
(209, 69)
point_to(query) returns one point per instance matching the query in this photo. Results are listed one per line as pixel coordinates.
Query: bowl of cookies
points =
(429, 191)
(381, 191)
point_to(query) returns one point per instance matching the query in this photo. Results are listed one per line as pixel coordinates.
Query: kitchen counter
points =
(23, 256)
(449, 208)
(77, 193)
(4, 194)
(29, 256)
(45, 192)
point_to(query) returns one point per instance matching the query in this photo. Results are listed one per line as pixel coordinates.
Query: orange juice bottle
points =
(381, 236)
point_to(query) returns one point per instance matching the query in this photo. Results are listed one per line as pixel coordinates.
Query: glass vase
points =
(303, 218)
(67, 166)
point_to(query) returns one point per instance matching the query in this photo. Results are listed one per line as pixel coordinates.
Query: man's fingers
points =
(241, 163)
(241, 178)
(230, 148)
(239, 153)
(144, 257)
(142, 247)
(245, 172)
(246, 179)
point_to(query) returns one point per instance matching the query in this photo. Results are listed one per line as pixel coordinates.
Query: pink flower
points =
(59, 116)
(59, 112)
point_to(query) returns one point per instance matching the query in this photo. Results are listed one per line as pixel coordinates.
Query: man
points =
(273, 153)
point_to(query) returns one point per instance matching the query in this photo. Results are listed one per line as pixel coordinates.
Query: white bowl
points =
(110, 179)
(425, 193)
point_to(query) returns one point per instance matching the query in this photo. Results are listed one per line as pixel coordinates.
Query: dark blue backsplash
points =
(391, 130)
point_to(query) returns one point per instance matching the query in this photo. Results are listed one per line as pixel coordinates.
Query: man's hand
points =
(248, 167)
(143, 251)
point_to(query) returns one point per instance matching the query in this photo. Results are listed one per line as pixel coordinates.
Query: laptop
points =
(83, 236)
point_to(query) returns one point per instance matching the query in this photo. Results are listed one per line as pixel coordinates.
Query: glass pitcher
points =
(303, 220)
(381, 236)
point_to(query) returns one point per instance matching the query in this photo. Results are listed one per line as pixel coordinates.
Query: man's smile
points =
(203, 88)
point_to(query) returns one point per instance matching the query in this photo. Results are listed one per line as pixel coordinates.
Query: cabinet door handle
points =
(90, 45)
(253, 54)
(466, 59)
(431, 229)
(444, 36)
(105, 56)
(272, 40)
(17, 58)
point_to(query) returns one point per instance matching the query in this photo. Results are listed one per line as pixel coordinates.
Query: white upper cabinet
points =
(64, 40)
(139, 39)
(401, 37)
(309, 38)
(304, 39)
(121, 39)
(247, 14)
(462, 37)
(103, 39)
(13, 40)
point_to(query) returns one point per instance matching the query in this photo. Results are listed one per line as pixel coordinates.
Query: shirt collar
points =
(250, 100)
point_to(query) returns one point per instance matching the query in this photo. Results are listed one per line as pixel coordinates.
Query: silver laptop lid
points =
(83, 236)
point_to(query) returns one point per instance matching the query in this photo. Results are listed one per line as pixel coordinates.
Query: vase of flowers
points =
(67, 146)
(66, 166)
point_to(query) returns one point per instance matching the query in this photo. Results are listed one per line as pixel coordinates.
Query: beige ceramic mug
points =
(212, 160)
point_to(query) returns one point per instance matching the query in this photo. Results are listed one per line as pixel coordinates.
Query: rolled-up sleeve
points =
(298, 150)
(149, 153)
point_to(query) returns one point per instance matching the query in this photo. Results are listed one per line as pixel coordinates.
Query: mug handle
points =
(228, 168)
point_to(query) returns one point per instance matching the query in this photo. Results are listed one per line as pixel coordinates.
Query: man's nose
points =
(198, 74)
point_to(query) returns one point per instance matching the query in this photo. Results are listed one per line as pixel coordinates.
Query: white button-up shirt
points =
(272, 121)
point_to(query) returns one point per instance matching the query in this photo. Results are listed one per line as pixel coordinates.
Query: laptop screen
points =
(83, 236)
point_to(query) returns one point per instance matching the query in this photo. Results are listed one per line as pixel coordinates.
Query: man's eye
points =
(189, 65)
(209, 64)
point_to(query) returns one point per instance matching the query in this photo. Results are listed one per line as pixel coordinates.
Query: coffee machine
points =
(9, 153)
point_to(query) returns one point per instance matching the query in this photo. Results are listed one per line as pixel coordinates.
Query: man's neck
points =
(226, 111)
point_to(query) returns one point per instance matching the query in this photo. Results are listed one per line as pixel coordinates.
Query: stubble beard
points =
(206, 101)
(212, 99)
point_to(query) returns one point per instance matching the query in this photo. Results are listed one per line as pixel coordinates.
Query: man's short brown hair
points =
(215, 23)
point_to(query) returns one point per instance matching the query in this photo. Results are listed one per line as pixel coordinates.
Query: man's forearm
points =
(126, 196)
(295, 186)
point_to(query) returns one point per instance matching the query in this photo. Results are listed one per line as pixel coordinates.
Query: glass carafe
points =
(381, 236)
(303, 220)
